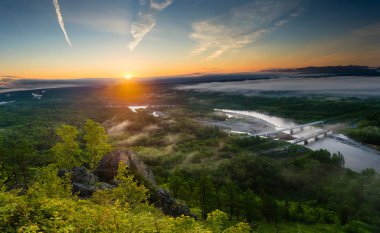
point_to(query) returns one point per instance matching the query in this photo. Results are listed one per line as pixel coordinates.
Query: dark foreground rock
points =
(85, 183)
(108, 166)
(169, 206)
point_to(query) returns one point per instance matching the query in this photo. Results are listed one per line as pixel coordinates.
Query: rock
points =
(83, 175)
(83, 181)
(83, 190)
(108, 166)
(169, 206)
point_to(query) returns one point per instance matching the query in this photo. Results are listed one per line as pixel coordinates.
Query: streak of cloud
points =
(241, 26)
(139, 29)
(146, 20)
(60, 21)
(368, 31)
(160, 5)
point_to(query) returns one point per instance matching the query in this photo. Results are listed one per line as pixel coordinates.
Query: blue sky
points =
(112, 38)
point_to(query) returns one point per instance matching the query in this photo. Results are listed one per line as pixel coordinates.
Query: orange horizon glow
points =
(158, 73)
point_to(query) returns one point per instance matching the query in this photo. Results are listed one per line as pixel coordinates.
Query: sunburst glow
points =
(128, 76)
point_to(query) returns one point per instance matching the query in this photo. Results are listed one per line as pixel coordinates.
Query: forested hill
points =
(232, 183)
(350, 70)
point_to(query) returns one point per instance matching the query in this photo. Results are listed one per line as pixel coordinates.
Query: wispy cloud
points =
(60, 21)
(160, 5)
(139, 29)
(146, 20)
(241, 26)
(368, 31)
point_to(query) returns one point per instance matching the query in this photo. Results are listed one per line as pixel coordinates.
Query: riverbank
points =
(357, 155)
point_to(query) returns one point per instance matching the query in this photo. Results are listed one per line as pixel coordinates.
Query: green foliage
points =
(48, 184)
(240, 227)
(367, 134)
(251, 179)
(128, 191)
(17, 159)
(67, 151)
(324, 156)
(46, 210)
(216, 220)
(95, 138)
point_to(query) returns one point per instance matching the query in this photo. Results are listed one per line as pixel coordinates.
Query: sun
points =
(128, 76)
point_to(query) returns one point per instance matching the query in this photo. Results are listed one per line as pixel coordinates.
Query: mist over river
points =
(335, 86)
(357, 156)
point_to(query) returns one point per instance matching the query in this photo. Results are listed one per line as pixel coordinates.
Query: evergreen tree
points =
(95, 138)
(67, 151)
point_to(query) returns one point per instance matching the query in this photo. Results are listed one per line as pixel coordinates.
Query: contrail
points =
(60, 20)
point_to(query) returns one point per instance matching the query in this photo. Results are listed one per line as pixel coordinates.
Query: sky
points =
(160, 38)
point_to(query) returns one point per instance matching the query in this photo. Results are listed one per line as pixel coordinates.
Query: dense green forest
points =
(232, 183)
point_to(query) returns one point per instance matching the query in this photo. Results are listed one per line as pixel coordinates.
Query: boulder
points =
(85, 183)
(83, 175)
(169, 206)
(108, 166)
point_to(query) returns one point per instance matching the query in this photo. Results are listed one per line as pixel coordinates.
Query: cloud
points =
(60, 21)
(118, 129)
(139, 29)
(371, 30)
(146, 20)
(160, 5)
(241, 26)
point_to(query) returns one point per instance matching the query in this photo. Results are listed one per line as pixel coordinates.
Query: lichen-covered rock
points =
(169, 206)
(83, 181)
(108, 166)
(83, 175)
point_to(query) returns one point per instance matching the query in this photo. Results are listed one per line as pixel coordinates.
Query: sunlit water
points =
(135, 108)
(357, 156)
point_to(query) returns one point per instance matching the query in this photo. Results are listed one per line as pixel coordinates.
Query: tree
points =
(95, 138)
(17, 156)
(128, 191)
(232, 191)
(206, 192)
(217, 220)
(49, 184)
(67, 151)
(249, 205)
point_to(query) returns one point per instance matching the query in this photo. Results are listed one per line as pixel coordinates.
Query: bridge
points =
(305, 139)
(291, 129)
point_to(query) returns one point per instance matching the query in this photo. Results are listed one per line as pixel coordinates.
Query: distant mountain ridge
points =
(351, 70)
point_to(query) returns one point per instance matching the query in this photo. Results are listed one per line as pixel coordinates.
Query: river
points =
(357, 156)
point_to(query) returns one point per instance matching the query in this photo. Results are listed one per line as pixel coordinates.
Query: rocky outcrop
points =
(169, 206)
(108, 166)
(85, 183)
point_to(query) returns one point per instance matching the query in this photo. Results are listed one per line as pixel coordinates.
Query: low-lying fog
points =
(349, 86)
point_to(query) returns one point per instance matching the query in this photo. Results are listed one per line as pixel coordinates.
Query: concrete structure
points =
(315, 135)
(291, 129)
